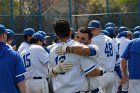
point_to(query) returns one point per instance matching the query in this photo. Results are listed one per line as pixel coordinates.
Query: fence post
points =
(70, 12)
(139, 11)
(107, 10)
(120, 19)
(11, 15)
(39, 15)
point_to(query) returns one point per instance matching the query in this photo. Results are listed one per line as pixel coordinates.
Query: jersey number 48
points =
(108, 50)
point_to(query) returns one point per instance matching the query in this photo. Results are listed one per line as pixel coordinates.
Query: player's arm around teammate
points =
(84, 36)
(89, 50)
(60, 68)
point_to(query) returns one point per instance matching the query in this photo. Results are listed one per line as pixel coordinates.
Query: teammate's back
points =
(36, 64)
(107, 52)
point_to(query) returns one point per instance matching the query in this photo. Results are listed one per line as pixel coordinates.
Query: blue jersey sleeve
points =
(19, 69)
(92, 51)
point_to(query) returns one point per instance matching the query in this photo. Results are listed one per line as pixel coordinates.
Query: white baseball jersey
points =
(51, 46)
(22, 46)
(123, 44)
(35, 59)
(106, 61)
(107, 52)
(93, 82)
(74, 80)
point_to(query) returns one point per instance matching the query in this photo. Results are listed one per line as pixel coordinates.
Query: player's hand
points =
(14, 47)
(61, 49)
(124, 80)
(62, 67)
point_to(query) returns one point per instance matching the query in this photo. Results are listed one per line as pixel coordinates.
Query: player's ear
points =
(89, 41)
(70, 31)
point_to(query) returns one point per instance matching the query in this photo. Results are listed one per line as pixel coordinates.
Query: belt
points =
(92, 91)
(95, 90)
(77, 92)
(39, 78)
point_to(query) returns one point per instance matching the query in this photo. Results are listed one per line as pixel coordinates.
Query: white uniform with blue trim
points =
(93, 82)
(23, 46)
(35, 61)
(106, 61)
(74, 80)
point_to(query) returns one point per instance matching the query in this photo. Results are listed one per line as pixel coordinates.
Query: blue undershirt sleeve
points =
(92, 51)
(118, 71)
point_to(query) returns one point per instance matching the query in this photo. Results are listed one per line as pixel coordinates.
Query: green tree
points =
(99, 6)
(5, 7)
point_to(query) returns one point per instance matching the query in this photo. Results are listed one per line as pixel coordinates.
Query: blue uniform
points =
(132, 52)
(11, 69)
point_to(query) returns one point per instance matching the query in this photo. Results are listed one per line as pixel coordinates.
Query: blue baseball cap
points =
(137, 28)
(43, 33)
(122, 34)
(122, 28)
(111, 30)
(29, 31)
(10, 33)
(2, 29)
(109, 24)
(94, 24)
(38, 36)
(105, 32)
(136, 34)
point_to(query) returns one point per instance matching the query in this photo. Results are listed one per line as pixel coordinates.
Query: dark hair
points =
(9, 38)
(87, 31)
(33, 40)
(112, 35)
(26, 38)
(62, 28)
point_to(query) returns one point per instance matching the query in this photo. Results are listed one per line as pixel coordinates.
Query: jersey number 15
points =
(27, 62)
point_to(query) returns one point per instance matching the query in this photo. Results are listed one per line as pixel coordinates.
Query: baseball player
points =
(105, 32)
(107, 55)
(109, 24)
(118, 73)
(124, 39)
(45, 41)
(130, 60)
(136, 34)
(84, 36)
(11, 67)
(28, 32)
(35, 61)
(122, 28)
(137, 28)
(10, 36)
(75, 80)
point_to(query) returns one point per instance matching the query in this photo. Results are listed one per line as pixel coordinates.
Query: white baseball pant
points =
(37, 85)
